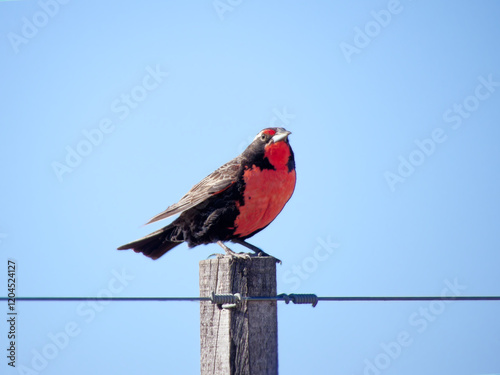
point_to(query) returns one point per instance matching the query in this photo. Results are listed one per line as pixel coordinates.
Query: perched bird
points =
(233, 203)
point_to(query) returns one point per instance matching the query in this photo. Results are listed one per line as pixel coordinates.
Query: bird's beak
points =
(280, 135)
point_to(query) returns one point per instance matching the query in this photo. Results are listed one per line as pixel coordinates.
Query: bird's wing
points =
(213, 184)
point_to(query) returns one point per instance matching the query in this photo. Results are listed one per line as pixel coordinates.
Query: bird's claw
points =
(238, 255)
(247, 256)
(233, 254)
(267, 255)
(257, 252)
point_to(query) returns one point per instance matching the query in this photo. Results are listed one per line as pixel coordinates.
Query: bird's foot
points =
(261, 253)
(258, 252)
(231, 253)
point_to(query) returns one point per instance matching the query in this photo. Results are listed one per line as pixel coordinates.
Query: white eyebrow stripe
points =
(258, 135)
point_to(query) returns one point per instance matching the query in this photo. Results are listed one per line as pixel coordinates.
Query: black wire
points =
(127, 299)
(275, 298)
(445, 298)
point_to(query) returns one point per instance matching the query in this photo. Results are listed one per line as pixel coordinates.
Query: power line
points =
(126, 299)
(224, 299)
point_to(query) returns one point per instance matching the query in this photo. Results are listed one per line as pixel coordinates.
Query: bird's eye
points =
(263, 137)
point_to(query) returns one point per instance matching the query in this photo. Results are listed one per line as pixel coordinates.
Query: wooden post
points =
(243, 339)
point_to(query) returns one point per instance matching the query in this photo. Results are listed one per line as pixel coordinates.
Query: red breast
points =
(266, 190)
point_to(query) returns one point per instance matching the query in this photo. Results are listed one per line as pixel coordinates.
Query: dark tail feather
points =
(154, 245)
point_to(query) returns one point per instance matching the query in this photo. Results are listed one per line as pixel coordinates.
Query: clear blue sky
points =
(112, 110)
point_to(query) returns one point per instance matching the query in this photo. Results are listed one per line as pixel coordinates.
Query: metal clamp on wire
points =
(226, 301)
(300, 299)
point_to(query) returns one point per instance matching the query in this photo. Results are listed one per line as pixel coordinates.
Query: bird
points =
(233, 203)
